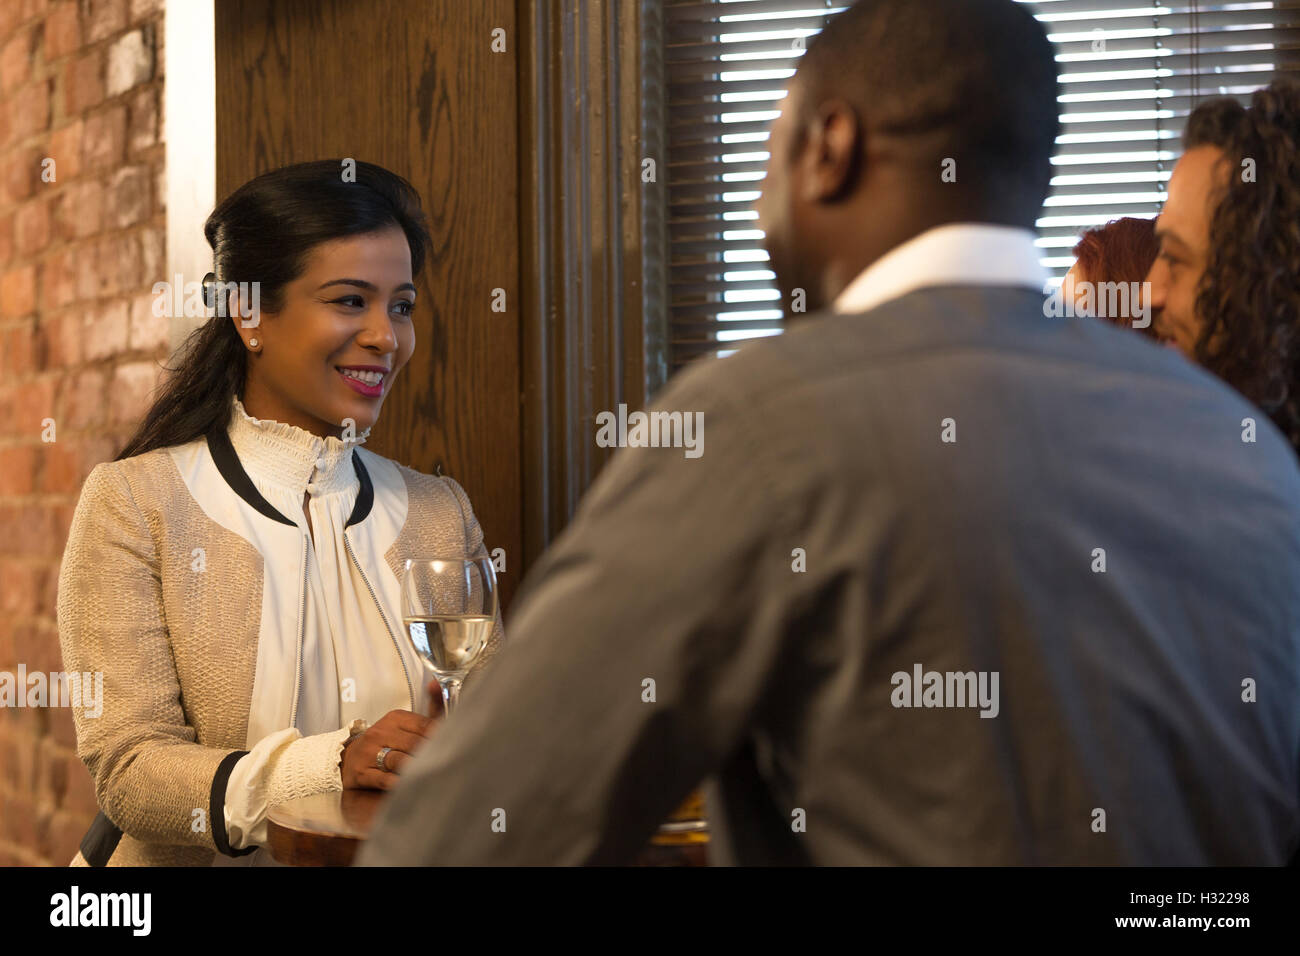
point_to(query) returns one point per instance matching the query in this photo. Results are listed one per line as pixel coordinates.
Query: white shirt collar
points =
(290, 457)
(954, 254)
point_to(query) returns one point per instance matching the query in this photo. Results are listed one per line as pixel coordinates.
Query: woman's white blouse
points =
(352, 666)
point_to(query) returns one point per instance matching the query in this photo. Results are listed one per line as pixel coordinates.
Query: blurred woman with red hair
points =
(1114, 258)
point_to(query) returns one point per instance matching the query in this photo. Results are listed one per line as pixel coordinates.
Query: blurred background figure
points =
(1225, 287)
(1122, 251)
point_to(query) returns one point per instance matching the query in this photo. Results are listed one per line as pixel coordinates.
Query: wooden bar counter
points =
(327, 830)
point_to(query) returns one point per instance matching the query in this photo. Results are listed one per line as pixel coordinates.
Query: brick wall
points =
(81, 85)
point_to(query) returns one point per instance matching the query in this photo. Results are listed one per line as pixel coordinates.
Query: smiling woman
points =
(235, 572)
(332, 261)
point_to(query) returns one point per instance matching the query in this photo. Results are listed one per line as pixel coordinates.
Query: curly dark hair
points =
(1250, 293)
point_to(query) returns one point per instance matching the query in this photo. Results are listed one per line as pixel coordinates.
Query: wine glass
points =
(449, 607)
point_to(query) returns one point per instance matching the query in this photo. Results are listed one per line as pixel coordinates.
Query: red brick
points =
(145, 9)
(131, 391)
(64, 834)
(18, 757)
(51, 771)
(65, 150)
(18, 816)
(62, 523)
(129, 61)
(22, 171)
(107, 267)
(33, 723)
(85, 256)
(160, 51)
(58, 339)
(142, 124)
(103, 18)
(30, 109)
(18, 292)
(50, 599)
(106, 330)
(80, 795)
(11, 14)
(32, 227)
(19, 343)
(37, 647)
(62, 473)
(39, 827)
(6, 240)
(59, 279)
(43, 571)
(128, 195)
(31, 403)
(61, 727)
(95, 449)
(17, 477)
(8, 660)
(149, 332)
(62, 30)
(153, 256)
(83, 82)
(104, 138)
(83, 400)
(119, 264)
(24, 581)
(80, 210)
(16, 59)
(12, 856)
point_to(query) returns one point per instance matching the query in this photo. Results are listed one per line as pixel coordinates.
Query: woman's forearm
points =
(281, 767)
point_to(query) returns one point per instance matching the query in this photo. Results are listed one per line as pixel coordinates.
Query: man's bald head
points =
(889, 97)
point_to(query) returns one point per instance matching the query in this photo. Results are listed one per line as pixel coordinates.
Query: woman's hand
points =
(401, 730)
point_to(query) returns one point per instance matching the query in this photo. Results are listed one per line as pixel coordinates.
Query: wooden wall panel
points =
(415, 86)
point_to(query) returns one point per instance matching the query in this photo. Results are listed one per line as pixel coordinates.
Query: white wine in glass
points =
(449, 607)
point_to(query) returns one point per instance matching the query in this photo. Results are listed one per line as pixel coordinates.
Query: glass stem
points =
(450, 694)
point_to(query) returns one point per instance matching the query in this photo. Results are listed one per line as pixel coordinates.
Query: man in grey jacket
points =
(955, 580)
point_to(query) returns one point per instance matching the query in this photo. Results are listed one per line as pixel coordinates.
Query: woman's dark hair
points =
(1249, 296)
(1123, 250)
(263, 232)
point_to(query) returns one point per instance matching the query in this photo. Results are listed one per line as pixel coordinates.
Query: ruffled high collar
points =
(291, 457)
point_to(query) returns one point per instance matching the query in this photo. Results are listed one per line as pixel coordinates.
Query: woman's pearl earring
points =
(252, 343)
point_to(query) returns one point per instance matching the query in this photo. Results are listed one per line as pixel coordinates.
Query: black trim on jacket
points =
(217, 805)
(100, 840)
(232, 470)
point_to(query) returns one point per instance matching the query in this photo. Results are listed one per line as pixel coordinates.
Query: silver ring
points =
(380, 757)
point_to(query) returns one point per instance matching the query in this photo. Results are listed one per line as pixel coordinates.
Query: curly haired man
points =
(1226, 284)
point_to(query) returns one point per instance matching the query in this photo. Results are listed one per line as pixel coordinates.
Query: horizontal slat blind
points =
(1131, 72)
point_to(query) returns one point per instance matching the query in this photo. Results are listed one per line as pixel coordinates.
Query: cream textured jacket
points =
(238, 649)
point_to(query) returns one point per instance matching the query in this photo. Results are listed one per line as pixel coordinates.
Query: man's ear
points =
(831, 154)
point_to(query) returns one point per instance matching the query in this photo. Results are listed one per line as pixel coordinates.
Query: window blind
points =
(1131, 71)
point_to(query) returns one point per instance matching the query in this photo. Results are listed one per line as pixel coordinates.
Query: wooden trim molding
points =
(591, 336)
(654, 199)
